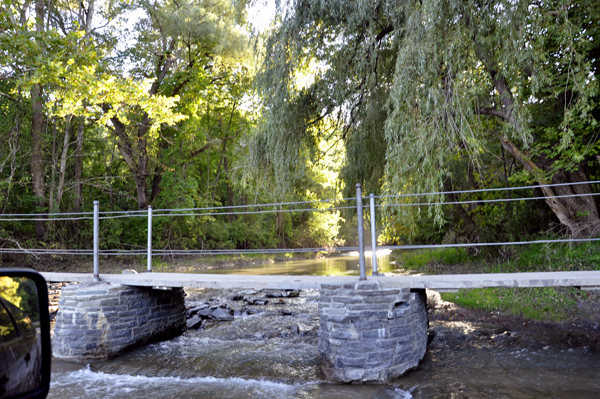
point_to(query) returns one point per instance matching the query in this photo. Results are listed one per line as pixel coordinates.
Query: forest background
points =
(182, 104)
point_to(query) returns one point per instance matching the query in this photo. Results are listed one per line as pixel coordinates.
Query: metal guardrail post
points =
(96, 238)
(361, 233)
(373, 235)
(149, 239)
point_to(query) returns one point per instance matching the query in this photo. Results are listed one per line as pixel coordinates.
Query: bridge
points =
(370, 330)
(586, 280)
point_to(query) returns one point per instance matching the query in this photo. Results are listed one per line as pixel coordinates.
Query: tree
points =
(420, 82)
(177, 43)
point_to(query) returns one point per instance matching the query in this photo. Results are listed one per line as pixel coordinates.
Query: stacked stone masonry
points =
(370, 333)
(102, 320)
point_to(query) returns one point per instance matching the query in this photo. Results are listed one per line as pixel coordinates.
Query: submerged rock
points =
(256, 301)
(204, 312)
(222, 314)
(196, 309)
(194, 323)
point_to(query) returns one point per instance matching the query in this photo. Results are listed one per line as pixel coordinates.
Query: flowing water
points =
(272, 354)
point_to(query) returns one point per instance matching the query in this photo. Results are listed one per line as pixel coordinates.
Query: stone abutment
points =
(97, 321)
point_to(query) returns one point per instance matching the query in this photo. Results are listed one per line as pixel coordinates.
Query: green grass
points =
(547, 304)
(526, 258)
(550, 257)
(423, 259)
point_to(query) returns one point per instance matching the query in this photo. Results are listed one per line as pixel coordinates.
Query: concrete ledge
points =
(445, 282)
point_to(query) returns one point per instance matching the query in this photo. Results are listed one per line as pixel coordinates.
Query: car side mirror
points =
(25, 351)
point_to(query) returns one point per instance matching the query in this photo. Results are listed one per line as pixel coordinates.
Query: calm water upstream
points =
(269, 355)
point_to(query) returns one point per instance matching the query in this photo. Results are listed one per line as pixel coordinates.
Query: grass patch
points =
(422, 259)
(547, 304)
(525, 258)
(550, 257)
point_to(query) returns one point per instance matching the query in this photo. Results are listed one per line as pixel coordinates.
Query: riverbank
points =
(572, 312)
(116, 264)
(270, 351)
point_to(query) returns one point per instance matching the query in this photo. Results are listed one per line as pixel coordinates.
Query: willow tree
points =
(415, 84)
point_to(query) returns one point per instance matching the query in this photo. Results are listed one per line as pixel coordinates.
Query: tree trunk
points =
(63, 164)
(229, 191)
(51, 199)
(280, 229)
(77, 200)
(37, 169)
(578, 214)
(136, 159)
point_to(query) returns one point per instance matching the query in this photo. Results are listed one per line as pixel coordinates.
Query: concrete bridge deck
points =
(586, 280)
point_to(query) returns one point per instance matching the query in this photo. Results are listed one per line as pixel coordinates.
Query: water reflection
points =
(330, 266)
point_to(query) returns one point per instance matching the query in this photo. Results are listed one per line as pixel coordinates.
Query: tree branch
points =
(494, 112)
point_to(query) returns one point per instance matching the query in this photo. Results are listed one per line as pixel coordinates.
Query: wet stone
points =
(204, 312)
(222, 314)
(194, 323)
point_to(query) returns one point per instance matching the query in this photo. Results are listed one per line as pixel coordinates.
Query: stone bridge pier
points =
(369, 332)
(101, 320)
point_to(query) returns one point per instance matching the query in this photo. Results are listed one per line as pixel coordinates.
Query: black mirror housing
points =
(22, 331)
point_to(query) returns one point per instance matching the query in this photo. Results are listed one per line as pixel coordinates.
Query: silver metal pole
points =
(96, 238)
(373, 235)
(361, 233)
(149, 239)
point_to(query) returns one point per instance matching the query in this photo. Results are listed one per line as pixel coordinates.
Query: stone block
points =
(345, 334)
(331, 286)
(347, 299)
(341, 318)
(374, 334)
(388, 299)
(366, 285)
(346, 361)
(334, 311)
(400, 331)
(353, 374)
(83, 292)
(367, 306)
(375, 315)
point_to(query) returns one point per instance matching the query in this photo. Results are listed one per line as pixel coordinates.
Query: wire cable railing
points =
(208, 211)
(287, 207)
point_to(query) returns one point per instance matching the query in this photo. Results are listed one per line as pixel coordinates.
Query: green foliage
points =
(22, 293)
(437, 95)
(155, 110)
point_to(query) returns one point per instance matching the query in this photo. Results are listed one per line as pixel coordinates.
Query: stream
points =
(270, 351)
